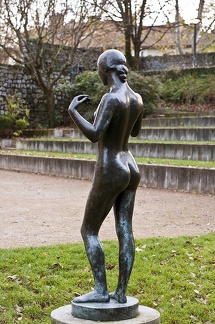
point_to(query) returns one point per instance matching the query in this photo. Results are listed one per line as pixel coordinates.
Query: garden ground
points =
(38, 210)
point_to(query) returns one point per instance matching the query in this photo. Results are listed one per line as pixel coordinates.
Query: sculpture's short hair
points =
(114, 60)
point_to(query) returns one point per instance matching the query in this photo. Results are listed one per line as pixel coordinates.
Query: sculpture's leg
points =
(123, 210)
(97, 208)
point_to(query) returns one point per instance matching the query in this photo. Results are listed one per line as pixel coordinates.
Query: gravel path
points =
(37, 210)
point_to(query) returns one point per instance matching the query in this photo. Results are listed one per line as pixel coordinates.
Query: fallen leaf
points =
(138, 249)
(13, 278)
(110, 266)
(57, 265)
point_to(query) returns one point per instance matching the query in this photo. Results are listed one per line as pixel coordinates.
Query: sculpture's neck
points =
(115, 82)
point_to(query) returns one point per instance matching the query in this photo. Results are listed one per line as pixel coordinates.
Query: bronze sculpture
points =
(116, 177)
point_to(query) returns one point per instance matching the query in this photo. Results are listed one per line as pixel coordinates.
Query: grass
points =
(176, 276)
(172, 142)
(142, 141)
(173, 162)
(178, 127)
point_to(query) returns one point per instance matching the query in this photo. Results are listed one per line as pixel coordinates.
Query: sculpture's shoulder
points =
(139, 100)
(136, 95)
(110, 98)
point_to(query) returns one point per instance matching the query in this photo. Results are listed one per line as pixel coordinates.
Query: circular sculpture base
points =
(146, 315)
(110, 311)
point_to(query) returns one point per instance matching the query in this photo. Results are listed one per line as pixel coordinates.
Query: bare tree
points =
(203, 31)
(34, 33)
(206, 28)
(130, 17)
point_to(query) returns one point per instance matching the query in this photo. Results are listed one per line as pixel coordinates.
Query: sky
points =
(188, 11)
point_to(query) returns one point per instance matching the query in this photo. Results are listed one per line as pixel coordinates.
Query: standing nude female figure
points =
(116, 178)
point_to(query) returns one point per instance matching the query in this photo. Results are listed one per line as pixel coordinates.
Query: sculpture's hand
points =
(77, 101)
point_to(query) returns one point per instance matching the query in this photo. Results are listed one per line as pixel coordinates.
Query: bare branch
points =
(44, 36)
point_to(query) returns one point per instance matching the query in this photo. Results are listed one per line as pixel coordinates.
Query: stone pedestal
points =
(111, 310)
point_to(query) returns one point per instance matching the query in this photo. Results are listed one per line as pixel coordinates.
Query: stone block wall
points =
(176, 62)
(15, 80)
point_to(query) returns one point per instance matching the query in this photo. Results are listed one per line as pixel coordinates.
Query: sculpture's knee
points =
(124, 231)
(87, 234)
(126, 238)
(83, 232)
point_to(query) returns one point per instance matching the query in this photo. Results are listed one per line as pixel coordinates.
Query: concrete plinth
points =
(146, 315)
(106, 311)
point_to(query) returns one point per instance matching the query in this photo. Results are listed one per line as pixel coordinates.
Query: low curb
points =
(189, 179)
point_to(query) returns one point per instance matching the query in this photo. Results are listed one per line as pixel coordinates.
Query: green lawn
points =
(176, 276)
(142, 141)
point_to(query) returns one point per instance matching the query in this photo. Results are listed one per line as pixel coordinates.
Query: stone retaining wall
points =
(16, 80)
(178, 134)
(198, 152)
(180, 121)
(154, 176)
(176, 62)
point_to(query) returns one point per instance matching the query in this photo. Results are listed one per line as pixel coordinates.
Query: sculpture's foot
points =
(120, 297)
(92, 297)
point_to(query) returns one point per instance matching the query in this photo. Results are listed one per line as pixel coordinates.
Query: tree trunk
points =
(128, 47)
(197, 26)
(200, 11)
(178, 28)
(50, 98)
(136, 62)
(127, 26)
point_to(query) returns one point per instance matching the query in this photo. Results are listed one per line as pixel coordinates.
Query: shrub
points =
(89, 83)
(189, 89)
(15, 118)
(149, 88)
(7, 124)
(21, 124)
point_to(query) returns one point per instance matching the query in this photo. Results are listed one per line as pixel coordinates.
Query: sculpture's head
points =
(112, 60)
